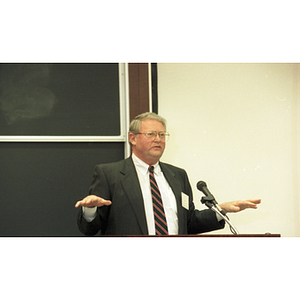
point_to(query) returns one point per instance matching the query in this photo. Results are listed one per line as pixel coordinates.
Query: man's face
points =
(148, 150)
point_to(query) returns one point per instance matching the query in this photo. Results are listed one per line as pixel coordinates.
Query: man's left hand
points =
(236, 206)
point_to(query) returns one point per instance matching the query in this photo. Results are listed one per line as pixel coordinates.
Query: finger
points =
(105, 202)
(84, 203)
(80, 203)
(251, 205)
(257, 201)
(254, 202)
(85, 200)
(92, 201)
(254, 206)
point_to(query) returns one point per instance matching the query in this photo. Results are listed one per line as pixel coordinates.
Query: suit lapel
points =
(133, 191)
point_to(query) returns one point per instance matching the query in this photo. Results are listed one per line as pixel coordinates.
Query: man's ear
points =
(132, 138)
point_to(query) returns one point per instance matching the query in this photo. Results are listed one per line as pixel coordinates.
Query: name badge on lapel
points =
(185, 201)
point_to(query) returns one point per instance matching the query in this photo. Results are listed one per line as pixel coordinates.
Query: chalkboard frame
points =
(124, 116)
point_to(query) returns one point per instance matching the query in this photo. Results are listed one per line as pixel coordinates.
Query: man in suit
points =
(120, 200)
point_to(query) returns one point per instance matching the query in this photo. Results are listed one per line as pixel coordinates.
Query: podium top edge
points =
(201, 235)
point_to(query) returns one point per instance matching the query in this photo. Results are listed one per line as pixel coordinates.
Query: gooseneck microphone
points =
(209, 200)
(202, 186)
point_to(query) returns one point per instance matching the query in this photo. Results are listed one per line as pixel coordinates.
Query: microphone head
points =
(200, 185)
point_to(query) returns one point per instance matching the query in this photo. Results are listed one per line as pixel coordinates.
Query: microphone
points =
(209, 200)
(202, 186)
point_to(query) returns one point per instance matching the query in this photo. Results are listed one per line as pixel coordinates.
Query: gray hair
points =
(135, 124)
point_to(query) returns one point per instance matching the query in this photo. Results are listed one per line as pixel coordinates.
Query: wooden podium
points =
(203, 235)
(232, 235)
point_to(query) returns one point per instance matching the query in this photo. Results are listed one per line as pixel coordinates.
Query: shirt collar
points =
(143, 167)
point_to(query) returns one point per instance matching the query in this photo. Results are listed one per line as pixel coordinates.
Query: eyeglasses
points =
(151, 135)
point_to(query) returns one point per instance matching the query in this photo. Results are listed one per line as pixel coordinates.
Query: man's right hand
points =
(92, 201)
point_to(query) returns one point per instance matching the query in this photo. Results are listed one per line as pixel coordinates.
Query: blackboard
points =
(41, 182)
(59, 99)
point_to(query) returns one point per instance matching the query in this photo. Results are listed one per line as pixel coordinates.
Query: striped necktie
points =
(161, 227)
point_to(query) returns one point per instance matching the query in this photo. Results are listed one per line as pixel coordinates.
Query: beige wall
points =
(236, 127)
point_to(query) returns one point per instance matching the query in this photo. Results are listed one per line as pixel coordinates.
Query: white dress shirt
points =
(166, 192)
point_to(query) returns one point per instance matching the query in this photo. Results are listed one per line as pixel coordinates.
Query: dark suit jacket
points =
(119, 183)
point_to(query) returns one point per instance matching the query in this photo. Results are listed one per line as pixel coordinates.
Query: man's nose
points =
(157, 138)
